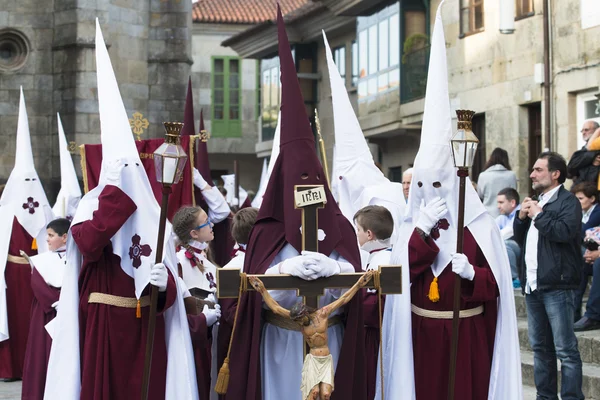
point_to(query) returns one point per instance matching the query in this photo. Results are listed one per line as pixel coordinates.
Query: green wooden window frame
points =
(226, 96)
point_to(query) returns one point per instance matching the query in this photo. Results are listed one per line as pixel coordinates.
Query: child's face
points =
(205, 233)
(54, 240)
(363, 236)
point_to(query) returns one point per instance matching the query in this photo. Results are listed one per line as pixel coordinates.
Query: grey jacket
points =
(490, 182)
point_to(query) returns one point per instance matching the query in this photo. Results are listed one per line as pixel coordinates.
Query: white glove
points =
(159, 276)
(112, 172)
(212, 315)
(461, 266)
(199, 180)
(212, 298)
(431, 213)
(321, 265)
(298, 266)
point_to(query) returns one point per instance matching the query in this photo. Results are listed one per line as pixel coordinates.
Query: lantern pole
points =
(172, 129)
(464, 125)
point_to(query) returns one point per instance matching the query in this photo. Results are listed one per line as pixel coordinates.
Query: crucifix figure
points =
(231, 284)
(317, 372)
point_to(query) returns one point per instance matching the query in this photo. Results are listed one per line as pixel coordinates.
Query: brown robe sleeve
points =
(421, 254)
(114, 209)
(483, 287)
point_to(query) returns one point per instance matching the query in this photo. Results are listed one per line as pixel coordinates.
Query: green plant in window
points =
(414, 42)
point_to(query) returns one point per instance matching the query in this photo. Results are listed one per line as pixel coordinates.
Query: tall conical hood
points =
(202, 163)
(229, 186)
(119, 147)
(115, 131)
(434, 164)
(350, 143)
(357, 181)
(189, 127)
(24, 193)
(262, 186)
(275, 148)
(298, 164)
(23, 154)
(70, 192)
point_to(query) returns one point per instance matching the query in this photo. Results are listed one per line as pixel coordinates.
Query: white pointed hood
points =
(229, 185)
(434, 164)
(357, 181)
(70, 191)
(141, 229)
(264, 181)
(24, 193)
(25, 199)
(275, 148)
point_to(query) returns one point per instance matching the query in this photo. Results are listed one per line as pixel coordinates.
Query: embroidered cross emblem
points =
(137, 250)
(31, 205)
(211, 280)
(441, 224)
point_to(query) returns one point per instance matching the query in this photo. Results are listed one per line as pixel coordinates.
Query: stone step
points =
(589, 343)
(591, 376)
(529, 393)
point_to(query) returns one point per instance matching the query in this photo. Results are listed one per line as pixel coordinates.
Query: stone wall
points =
(149, 44)
(35, 21)
(494, 74)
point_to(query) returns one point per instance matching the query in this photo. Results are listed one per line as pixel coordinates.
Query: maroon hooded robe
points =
(276, 225)
(18, 304)
(39, 341)
(432, 337)
(112, 339)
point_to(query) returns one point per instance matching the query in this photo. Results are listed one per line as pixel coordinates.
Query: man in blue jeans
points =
(549, 232)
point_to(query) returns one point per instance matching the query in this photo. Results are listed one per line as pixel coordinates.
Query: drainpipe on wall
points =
(547, 83)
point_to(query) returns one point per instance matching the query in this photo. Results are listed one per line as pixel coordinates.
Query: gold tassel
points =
(34, 244)
(223, 378)
(434, 291)
(138, 309)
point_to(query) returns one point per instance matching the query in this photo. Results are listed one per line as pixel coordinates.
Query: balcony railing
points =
(414, 75)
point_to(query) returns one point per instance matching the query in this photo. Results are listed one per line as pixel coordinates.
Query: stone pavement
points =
(12, 391)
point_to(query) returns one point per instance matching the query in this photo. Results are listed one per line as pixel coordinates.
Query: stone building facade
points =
(499, 76)
(48, 48)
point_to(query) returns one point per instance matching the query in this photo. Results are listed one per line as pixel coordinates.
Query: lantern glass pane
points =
(458, 152)
(169, 170)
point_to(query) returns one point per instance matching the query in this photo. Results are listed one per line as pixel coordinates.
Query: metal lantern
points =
(464, 142)
(170, 158)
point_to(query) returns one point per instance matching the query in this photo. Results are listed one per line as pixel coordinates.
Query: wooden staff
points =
(154, 292)
(322, 148)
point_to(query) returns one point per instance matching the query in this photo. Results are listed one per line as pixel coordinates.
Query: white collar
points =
(545, 197)
(374, 245)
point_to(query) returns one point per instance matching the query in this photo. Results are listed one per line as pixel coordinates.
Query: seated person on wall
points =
(591, 319)
(587, 194)
(508, 205)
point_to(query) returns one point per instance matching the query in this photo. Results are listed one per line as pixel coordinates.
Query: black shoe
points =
(586, 324)
(10, 379)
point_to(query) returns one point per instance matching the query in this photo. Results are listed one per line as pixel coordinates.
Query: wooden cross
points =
(310, 198)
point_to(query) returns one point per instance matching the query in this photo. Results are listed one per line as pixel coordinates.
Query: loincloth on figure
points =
(316, 370)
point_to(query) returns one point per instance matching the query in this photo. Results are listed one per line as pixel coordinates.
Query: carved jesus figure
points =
(318, 371)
